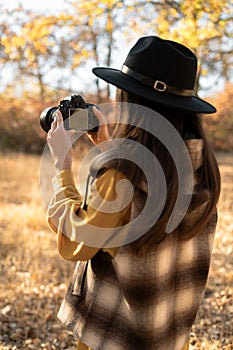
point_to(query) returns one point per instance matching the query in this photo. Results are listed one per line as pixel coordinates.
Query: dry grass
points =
(33, 278)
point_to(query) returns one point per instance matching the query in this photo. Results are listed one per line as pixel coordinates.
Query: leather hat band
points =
(158, 85)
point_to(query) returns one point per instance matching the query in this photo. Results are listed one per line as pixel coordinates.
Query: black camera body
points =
(76, 113)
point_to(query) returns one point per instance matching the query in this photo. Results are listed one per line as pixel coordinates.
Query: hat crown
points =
(163, 60)
(161, 71)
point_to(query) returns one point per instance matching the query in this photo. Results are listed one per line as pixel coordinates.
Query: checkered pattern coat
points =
(140, 302)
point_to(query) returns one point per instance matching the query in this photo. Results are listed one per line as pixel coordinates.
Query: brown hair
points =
(188, 126)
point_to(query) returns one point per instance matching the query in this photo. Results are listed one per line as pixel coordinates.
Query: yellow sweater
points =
(67, 201)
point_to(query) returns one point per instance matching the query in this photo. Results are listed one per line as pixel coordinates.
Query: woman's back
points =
(144, 298)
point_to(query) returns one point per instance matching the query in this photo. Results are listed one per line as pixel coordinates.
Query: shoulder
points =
(111, 182)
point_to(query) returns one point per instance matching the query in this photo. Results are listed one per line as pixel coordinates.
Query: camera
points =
(76, 113)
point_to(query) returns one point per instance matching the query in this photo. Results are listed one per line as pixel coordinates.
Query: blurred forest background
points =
(46, 54)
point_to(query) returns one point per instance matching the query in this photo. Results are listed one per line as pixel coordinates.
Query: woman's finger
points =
(59, 119)
(99, 115)
(53, 125)
(102, 132)
(102, 135)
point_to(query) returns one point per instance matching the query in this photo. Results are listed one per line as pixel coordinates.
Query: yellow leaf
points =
(85, 53)
(18, 41)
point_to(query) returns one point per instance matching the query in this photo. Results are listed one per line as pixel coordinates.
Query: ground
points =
(33, 277)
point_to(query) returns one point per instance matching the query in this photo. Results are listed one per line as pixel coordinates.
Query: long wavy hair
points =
(188, 126)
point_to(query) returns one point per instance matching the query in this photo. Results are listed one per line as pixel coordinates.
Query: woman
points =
(140, 287)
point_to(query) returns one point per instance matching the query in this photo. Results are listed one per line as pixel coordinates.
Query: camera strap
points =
(86, 191)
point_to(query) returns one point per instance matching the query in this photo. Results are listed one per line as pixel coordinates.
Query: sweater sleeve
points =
(81, 233)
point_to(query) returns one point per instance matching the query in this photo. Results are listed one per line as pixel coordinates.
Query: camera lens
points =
(47, 117)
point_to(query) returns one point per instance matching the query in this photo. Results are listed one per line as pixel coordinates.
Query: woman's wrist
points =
(63, 165)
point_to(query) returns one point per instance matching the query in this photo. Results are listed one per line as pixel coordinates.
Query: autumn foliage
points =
(20, 129)
(48, 55)
(219, 127)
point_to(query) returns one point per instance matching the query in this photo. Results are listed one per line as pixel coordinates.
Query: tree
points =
(219, 127)
(97, 36)
(30, 44)
(91, 33)
(44, 50)
(204, 26)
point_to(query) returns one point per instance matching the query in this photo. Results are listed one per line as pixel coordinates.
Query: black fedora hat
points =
(162, 71)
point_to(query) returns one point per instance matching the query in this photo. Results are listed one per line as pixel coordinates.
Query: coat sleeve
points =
(79, 231)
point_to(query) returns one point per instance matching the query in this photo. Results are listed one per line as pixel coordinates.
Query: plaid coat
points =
(147, 301)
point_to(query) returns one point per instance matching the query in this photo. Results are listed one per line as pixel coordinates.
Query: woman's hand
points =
(60, 144)
(102, 134)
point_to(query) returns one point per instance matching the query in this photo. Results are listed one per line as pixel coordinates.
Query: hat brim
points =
(122, 81)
